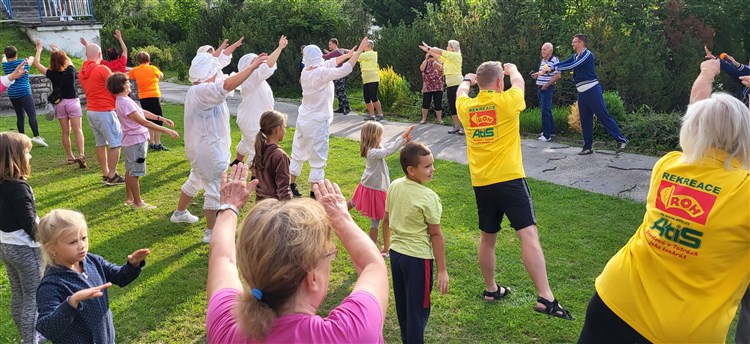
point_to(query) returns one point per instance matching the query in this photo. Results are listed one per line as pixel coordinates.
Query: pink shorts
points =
(68, 108)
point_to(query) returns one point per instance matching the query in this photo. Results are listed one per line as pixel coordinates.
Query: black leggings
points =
(452, 100)
(370, 91)
(25, 103)
(435, 97)
(604, 326)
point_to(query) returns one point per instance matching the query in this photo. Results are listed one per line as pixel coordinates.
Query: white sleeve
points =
(209, 95)
(333, 73)
(224, 60)
(6, 81)
(386, 150)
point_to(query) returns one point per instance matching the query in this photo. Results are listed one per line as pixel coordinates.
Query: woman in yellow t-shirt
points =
(147, 77)
(368, 63)
(452, 61)
(681, 276)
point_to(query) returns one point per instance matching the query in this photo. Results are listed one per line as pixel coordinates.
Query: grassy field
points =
(579, 230)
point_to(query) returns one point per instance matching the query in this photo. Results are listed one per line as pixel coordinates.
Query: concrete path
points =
(624, 175)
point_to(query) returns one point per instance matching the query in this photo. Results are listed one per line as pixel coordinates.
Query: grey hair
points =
(370, 43)
(718, 123)
(455, 45)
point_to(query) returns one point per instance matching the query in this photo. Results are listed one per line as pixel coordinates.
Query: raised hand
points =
(708, 53)
(711, 67)
(362, 45)
(745, 80)
(235, 189)
(87, 294)
(229, 50)
(330, 196)
(53, 47)
(118, 35)
(261, 59)
(83, 41)
(283, 42)
(38, 45)
(137, 257)
(424, 46)
(472, 77)
(508, 69)
(407, 134)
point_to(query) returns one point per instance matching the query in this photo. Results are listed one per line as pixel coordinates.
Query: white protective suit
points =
(207, 137)
(225, 60)
(257, 97)
(316, 112)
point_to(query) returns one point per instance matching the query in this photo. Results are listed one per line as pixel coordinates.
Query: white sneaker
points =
(207, 236)
(544, 139)
(185, 217)
(39, 140)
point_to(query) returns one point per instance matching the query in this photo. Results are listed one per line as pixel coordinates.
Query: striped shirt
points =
(543, 79)
(21, 86)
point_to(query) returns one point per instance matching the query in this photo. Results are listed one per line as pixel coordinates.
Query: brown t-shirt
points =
(274, 177)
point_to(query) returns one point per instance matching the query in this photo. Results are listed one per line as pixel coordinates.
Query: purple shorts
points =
(68, 108)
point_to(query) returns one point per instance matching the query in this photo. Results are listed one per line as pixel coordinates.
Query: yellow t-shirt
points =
(493, 139)
(452, 68)
(147, 79)
(368, 63)
(681, 276)
(411, 207)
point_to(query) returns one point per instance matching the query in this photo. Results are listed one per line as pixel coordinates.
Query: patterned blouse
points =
(432, 78)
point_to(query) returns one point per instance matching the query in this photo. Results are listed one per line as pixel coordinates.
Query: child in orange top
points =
(147, 77)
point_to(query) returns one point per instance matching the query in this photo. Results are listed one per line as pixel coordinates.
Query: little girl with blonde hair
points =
(369, 197)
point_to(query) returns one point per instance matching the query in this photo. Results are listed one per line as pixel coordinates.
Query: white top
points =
(376, 175)
(257, 97)
(224, 60)
(207, 137)
(5, 80)
(18, 237)
(317, 90)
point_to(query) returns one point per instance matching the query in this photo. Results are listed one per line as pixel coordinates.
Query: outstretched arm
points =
(275, 54)
(704, 82)
(123, 47)
(38, 57)
(516, 79)
(465, 86)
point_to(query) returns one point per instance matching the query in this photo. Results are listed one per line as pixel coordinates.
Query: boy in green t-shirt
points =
(413, 212)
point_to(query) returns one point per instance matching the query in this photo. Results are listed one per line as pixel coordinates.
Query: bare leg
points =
(210, 218)
(112, 159)
(65, 126)
(487, 260)
(151, 137)
(374, 235)
(456, 122)
(533, 260)
(378, 108)
(101, 156)
(134, 189)
(370, 109)
(75, 127)
(424, 115)
(157, 137)
(292, 179)
(439, 115)
(184, 201)
(129, 187)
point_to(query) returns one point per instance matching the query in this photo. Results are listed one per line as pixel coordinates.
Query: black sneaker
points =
(295, 192)
(161, 147)
(586, 151)
(347, 111)
(115, 180)
(152, 147)
(621, 147)
(105, 179)
(339, 110)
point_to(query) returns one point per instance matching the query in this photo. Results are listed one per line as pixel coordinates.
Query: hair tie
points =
(257, 293)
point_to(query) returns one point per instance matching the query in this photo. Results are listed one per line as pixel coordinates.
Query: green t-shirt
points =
(411, 207)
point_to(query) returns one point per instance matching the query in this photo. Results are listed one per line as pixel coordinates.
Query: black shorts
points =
(370, 91)
(602, 325)
(511, 198)
(153, 106)
(436, 98)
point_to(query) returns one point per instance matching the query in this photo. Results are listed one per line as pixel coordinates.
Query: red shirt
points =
(117, 65)
(93, 77)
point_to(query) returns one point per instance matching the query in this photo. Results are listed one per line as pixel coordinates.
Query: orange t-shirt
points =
(93, 77)
(147, 77)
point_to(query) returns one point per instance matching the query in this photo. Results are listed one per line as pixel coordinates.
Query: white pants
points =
(310, 144)
(246, 146)
(195, 183)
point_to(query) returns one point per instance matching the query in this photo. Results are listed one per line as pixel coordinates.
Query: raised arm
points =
(230, 49)
(123, 47)
(516, 79)
(434, 51)
(704, 82)
(373, 276)
(275, 54)
(360, 49)
(38, 57)
(465, 86)
(222, 250)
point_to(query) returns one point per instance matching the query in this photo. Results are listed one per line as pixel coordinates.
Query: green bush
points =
(393, 90)
(531, 120)
(160, 58)
(653, 132)
(615, 105)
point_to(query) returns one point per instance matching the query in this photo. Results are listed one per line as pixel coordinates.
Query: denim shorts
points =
(106, 128)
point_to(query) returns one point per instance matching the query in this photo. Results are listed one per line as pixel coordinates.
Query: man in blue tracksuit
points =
(590, 98)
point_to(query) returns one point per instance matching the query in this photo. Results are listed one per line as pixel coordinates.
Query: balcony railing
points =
(65, 9)
(8, 9)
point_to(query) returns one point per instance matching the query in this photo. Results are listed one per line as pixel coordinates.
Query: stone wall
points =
(41, 87)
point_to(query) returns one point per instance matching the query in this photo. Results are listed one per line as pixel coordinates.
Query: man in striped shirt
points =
(590, 98)
(545, 88)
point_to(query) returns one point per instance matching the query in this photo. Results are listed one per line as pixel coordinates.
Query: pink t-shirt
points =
(132, 131)
(358, 319)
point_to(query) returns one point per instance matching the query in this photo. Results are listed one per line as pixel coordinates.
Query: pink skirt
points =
(369, 202)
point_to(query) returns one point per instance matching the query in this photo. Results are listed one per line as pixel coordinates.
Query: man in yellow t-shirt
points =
(368, 63)
(491, 121)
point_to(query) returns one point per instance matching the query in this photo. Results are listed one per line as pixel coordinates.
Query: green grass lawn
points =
(579, 230)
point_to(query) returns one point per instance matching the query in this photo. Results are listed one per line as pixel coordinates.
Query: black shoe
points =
(235, 162)
(621, 147)
(347, 111)
(295, 192)
(162, 148)
(312, 195)
(339, 110)
(151, 147)
(586, 151)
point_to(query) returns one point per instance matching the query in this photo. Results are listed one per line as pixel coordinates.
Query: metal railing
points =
(6, 5)
(65, 9)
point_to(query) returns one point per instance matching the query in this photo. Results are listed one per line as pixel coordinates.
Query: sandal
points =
(422, 122)
(71, 161)
(552, 308)
(81, 162)
(369, 118)
(496, 295)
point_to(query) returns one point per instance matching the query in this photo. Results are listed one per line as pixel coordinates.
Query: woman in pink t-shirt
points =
(284, 258)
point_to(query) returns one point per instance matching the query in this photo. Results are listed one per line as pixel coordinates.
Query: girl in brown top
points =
(271, 163)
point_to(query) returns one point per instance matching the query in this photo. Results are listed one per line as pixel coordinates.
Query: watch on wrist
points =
(467, 79)
(227, 206)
